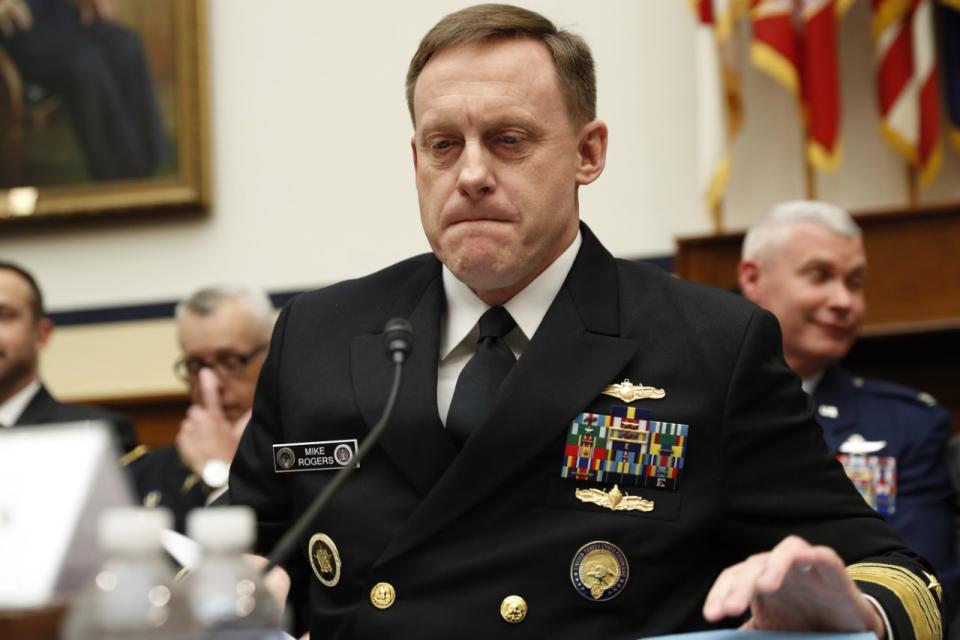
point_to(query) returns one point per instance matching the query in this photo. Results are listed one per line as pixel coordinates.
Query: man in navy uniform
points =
(25, 331)
(582, 445)
(805, 262)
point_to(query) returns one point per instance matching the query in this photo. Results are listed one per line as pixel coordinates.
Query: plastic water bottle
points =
(135, 595)
(226, 592)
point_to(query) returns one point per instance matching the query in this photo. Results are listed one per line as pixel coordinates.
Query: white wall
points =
(312, 174)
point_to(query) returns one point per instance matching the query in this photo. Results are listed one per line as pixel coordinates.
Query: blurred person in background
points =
(805, 262)
(25, 330)
(223, 333)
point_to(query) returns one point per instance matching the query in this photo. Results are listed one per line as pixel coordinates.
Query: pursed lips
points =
(476, 218)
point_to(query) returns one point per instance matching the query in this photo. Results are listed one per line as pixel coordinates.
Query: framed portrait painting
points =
(103, 108)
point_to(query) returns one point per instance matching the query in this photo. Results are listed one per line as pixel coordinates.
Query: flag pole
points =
(912, 186)
(809, 174)
(716, 213)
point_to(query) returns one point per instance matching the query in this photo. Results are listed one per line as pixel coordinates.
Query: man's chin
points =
(828, 355)
(481, 272)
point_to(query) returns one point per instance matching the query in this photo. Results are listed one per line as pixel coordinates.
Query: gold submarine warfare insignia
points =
(628, 391)
(615, 500)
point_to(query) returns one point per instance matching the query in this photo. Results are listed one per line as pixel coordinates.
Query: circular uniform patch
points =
(325, 559)
(343, 454)
(285, 458)
(599, 571)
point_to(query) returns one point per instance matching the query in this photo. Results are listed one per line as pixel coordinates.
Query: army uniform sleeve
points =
(162, 480)
(781, 479)
(126, 433)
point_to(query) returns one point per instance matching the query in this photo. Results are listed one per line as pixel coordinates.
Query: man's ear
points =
(44, 331)
(413, 148)
(748, 276)
(591, 151)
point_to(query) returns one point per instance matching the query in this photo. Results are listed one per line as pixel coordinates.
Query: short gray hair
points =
(783, 217)
(204, 302)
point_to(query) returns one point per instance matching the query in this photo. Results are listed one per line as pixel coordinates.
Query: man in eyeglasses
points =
(223, 333)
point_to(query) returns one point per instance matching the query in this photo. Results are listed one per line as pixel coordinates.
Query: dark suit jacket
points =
(915, 432)
(45, 409)
(456, 531)
(162, 480)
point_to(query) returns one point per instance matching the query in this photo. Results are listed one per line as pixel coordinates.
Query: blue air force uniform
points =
(888, 421)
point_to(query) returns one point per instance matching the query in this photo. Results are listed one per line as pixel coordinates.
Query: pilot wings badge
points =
(628, 391)
(615, 500)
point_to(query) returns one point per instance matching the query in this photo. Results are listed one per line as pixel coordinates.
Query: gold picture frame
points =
(185, 185)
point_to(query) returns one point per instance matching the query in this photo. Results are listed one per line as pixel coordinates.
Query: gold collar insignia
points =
(934, 586)
(615, 500)
(628, 392)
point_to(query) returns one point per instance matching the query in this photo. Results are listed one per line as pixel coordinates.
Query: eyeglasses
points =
(226, 364)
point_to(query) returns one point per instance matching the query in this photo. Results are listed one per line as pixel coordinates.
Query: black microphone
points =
(398, 340)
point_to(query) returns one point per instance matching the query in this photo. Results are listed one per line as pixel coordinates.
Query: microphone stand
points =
(399, 338)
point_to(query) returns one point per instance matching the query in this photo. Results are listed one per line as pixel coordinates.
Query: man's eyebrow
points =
(816, 262)
(515, 118)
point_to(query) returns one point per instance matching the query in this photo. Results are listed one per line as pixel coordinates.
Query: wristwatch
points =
(215, 473)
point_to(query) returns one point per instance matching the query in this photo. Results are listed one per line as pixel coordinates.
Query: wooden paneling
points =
(913, 275)
(157, 418)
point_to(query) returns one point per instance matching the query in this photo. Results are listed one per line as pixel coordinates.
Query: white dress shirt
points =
(460, 323)
(12, 409)
(810, 384)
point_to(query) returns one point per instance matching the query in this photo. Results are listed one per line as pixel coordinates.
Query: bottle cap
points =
(225, 528)
(133, 529)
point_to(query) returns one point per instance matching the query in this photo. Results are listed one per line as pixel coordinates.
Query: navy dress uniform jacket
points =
(455, 531)
(915, 430)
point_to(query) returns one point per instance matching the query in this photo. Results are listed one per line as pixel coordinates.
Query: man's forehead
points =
(488, 57)
(14, 289)
(228, 327)
(508, 70)
(812, 243)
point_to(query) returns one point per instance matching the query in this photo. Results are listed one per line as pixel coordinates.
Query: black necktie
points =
(479, 381)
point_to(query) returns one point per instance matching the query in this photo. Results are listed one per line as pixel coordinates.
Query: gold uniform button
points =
(513, 609)
(383, 595)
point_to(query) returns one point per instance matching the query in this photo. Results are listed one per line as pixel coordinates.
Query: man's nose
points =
(475, 179)
(841, 297)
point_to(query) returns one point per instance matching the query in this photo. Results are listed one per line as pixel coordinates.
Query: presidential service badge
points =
(599, 571)
(324, 559)
(286, 458)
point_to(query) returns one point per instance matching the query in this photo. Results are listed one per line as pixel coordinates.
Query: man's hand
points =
(15, 16)
(277, 581)
(795, 587)
(206, 434)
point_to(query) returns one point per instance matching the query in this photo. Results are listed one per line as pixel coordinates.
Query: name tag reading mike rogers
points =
(327, 455)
